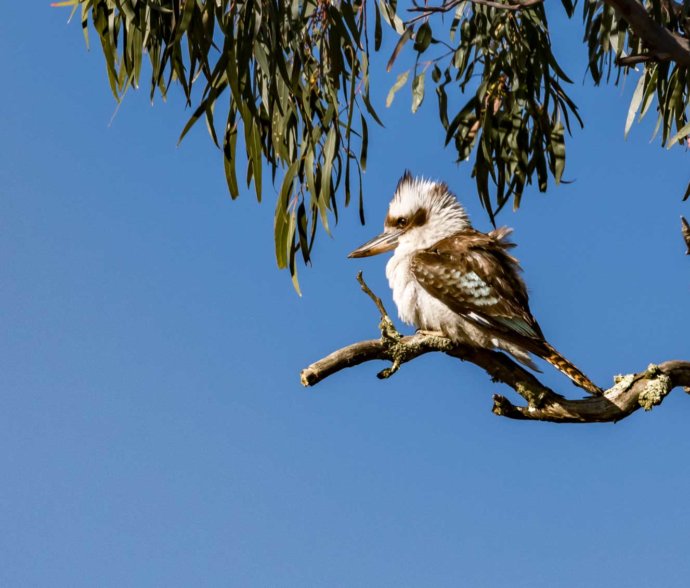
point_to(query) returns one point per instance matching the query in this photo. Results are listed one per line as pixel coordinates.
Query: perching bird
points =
(448, 277)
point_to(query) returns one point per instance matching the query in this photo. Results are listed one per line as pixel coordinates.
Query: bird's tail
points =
(567, 368)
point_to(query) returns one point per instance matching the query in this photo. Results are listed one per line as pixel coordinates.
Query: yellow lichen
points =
(655, 390)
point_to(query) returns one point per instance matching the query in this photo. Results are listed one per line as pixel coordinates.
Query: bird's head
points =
(421, 213)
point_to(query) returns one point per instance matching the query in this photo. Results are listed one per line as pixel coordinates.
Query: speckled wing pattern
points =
(474, 275)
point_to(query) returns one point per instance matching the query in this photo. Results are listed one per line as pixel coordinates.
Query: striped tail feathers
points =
(564, 366)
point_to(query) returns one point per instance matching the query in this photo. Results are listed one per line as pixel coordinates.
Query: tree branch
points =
(631, 392)
(631, 60)
(426, 11)
(663, 44)
(645, 389)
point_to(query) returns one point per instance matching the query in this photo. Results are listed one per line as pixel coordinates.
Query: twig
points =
(630, 60)
(447, 6)
(374, 297)
(426, 11)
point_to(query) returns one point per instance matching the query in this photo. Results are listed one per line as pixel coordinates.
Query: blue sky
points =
(153, 430)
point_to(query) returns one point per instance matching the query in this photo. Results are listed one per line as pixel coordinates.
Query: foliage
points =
(500, 55)
(294, 78)
(514, 118)
(296, 75)
(611, 42)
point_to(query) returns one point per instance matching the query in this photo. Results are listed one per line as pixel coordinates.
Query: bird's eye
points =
(402, 222)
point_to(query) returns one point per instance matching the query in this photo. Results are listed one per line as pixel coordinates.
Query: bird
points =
(449, 278)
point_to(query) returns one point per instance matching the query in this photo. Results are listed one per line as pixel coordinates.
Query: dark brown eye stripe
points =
(418, 219)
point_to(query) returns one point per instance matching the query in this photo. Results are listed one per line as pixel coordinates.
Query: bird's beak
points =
(380, 244)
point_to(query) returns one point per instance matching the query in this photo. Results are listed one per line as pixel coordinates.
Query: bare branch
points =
(499, 366)
(631, 60)
(631, 392)
(510, 6)
(374, 297)
(642, 390)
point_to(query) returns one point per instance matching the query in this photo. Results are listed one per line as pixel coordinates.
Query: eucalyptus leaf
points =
(399, 83)
(634, 105)
(423, 38)
(417, 91)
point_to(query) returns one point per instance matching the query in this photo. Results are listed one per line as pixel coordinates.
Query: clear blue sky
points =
(153, 431)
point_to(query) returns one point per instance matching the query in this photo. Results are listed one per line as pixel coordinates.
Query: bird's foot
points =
(427, 333)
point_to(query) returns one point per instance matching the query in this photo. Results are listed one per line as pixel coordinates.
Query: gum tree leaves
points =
(501, 97)
(614, 47)
(288, 78)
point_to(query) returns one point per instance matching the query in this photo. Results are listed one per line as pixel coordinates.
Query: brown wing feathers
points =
(474, 275)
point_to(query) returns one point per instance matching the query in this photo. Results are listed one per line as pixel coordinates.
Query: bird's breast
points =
(419, 308)
(415, 305)
(405, 288)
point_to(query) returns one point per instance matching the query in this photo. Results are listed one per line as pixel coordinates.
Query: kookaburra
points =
(450, 278)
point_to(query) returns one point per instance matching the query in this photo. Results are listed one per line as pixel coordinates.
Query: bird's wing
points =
(473, 274)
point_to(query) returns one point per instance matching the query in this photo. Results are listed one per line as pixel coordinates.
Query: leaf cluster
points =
(292, 79)
(515, 108)
(616, 51)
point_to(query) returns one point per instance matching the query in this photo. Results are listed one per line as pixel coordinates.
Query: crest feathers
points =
(405, 179)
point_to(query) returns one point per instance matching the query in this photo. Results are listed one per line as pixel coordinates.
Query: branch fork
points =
(399, 351)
